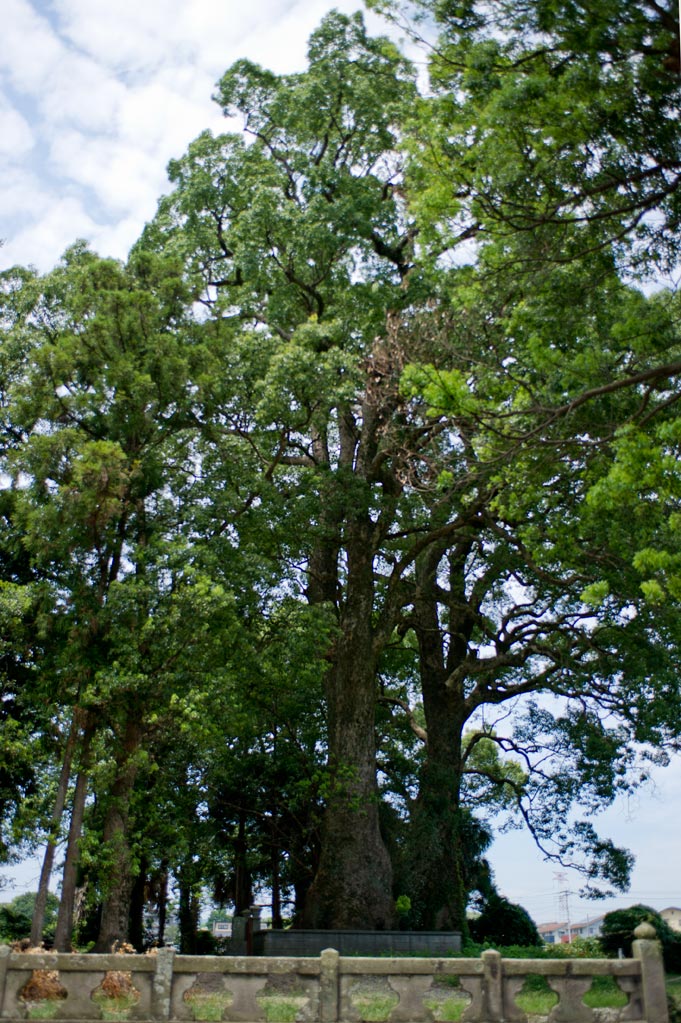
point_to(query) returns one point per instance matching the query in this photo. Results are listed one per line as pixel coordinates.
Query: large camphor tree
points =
(332, 263)
(548, 148)
(376, 354)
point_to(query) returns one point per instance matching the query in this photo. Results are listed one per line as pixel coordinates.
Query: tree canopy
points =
(339, 523)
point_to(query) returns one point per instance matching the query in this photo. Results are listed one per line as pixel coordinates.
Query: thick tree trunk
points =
(64, 929)
(162, 904)
(275, 868)
(437, 847)
(38, 921)
(120, 879)
(353, 884)
(188, 909)
(243, 890)
(137, 904)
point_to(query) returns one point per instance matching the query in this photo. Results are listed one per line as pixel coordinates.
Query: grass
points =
(605, 993)
(116, 995)
(280, 1009)
(45, 1009)
(375, 1008)
(117, 1007)
(537, 998)
(208, 1006)
(447, 1010)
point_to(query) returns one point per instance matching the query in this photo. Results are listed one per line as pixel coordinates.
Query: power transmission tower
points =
(564, 902)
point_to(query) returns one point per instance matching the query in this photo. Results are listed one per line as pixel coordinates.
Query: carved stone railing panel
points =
(512, 1011)
(118, 997)
(208, 996)
(369, 997)
(289, 994)
(79, 1002)
(473, 985)
(633, 1010)
(180, 1008)
(245, 1006)
(447, 1000)
(571, 1007)
(170, 988)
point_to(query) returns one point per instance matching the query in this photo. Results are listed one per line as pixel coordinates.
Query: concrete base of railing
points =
(169, 988)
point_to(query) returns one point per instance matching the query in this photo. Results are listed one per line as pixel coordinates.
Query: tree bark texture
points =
(437, 848)
(353, 884)
(38, 921)
(64, 928)
(116, 905)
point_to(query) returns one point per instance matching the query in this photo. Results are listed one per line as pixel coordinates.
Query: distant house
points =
(672, 916)
(562, 933)
(222, 928)
(553, 933)
(589, 928)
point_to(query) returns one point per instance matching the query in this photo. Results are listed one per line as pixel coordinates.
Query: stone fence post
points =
(162, 984)
(493, 986)
(328, 985)
(648, 951)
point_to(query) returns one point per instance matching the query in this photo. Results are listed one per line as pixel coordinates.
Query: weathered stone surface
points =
(332, 988)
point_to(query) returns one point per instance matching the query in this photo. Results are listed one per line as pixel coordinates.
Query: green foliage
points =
(16, 916)
(579, 948)
(373, 407)
(617, 932)
(503, 923)
(536, 997)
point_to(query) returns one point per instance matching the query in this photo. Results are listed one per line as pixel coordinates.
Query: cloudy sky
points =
(95, 98)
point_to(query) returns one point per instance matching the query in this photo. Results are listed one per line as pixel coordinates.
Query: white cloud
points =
(29, 48)
(131, 37)
(22, 194)
(16, 137)
(159, 119)
(120, 175)
(101, 96)
(79, 92)
(57, 224)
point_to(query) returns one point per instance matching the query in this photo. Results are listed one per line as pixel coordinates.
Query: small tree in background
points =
(618, 929)
(16, 916)
(504, 923)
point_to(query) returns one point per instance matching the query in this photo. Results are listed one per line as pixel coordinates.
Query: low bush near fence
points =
(579, 948)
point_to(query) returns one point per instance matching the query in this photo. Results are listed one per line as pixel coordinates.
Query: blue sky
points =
(95, 98)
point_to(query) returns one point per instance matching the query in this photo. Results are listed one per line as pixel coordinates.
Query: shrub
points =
(618, 933)
(504, 923)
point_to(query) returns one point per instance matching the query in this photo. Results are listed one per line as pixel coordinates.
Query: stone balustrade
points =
(326, 989)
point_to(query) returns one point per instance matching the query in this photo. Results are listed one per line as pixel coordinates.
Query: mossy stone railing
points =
(325, 989)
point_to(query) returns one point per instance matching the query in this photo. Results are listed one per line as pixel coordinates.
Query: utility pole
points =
(564, 895)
